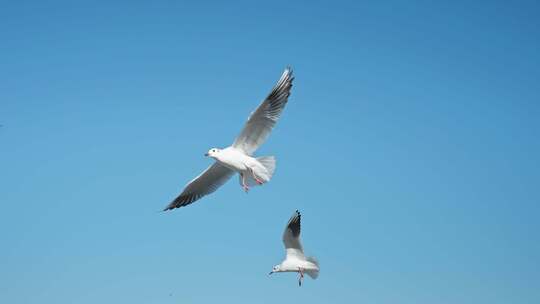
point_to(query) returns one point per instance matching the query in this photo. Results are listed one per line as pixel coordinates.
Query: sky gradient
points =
(410, 144)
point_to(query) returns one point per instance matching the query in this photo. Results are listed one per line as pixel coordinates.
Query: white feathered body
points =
(293, 263)
(242, 163)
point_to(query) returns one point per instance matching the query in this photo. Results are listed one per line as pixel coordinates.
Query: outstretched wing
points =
(291, 236)
(207, 182)
(261, 122)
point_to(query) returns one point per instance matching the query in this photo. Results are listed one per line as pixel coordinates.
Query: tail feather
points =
(269, 163)
(313, 273)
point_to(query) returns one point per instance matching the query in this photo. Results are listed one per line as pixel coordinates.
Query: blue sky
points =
(410, 145)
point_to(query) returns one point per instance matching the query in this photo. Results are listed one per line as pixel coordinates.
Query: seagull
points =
(239, 156)
(295, 261)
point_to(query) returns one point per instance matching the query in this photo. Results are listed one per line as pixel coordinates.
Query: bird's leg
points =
(301, 277)
(255, 177)
(244, 185)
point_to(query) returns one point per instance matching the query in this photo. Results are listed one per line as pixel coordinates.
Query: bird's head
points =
(212, 152)
(275, 269)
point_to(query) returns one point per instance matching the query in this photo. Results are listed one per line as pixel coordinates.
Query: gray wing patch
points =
(207, 182)
(263, 119)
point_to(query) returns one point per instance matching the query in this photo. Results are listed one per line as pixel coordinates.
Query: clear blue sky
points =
(410, 144)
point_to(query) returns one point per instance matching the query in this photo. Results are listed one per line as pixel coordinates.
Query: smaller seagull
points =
(295, 261)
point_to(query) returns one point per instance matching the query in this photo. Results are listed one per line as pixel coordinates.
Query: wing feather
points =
(291, 236)
(263, 119)
(207, 182)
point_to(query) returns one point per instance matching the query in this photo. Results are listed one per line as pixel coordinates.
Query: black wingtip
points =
(289, 71)
(171, 206)
(294, 223)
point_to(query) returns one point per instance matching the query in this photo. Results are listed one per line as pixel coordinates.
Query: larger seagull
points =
(238, 157)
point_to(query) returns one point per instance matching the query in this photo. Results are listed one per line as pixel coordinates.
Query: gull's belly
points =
(233, 164)
(234, 160)
(292, 265)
